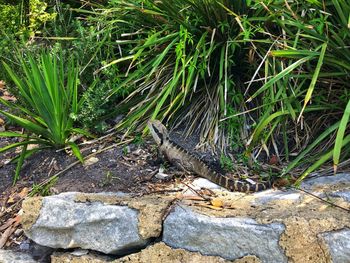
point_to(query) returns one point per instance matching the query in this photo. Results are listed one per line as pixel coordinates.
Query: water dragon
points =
(185, 161)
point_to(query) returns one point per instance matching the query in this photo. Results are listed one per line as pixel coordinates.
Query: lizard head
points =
(158, 131)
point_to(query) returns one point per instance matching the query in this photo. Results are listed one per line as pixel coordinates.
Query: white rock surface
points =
(339, 245)
(230, 238)
(204, 183)
(63, 223)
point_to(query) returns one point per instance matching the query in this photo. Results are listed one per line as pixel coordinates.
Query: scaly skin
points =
(187, 162)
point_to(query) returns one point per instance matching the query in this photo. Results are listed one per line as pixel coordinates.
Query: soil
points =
(127, 168)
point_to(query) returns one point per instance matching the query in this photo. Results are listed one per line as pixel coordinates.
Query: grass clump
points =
(305, 101)
(243, 72)
(48, 104)
(177, 55)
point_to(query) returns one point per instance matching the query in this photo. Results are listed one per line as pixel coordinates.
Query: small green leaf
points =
(76, 151)
(83, 132)
(12, 134)
(20, 162)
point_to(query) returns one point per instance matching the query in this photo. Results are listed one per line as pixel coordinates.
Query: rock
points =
(163, 253)
(59, 257)
(61, 222)
(157, 253)
(8, 256)
(318, 183)
(272, 195)
(269, 226)
(92, 160)
(345, 194)
(338, 243)
(204, 183)
(230, 238)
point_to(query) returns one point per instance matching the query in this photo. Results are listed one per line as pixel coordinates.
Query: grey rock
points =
(272, 195)
(345, 194)
(341, 178)
(63, 223)
(40, 253)
(230, 238)
(8, 256)
(339, 245)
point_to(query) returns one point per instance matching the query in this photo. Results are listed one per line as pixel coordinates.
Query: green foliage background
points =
(259, 78)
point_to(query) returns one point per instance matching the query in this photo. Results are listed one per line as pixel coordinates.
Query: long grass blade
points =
(340, 136)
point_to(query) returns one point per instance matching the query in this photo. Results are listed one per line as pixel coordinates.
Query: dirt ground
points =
(117, 169)
(128, 167)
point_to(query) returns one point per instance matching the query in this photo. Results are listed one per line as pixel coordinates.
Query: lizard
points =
(185, 161)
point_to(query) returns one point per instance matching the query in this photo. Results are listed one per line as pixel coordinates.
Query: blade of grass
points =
(76, 151)
(340, 136)
(20, 163)
(324, 158)
(314, 79)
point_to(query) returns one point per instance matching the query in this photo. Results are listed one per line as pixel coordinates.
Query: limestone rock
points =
(59, 257)
(325, 182)
(339, 245)
(8, 256)
(65, 223)
(159, 252)
(230, 238)
(200, 183)
(163, 253)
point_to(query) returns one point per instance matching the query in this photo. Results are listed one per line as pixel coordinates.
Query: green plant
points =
(107, 180)
(75, 31)
(24, 17)
(125, 150)
(138, 140)
(226, 163)
(181, 58)
(9, 18)
(251, 66)
(49, 104)
(43, 189)
(309, 62)
(21, 20)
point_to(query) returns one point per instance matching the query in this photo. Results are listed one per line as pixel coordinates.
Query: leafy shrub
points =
(182, 54)
(38, 16)
(75, 32)
(310, 62)
(14, 16)
(9, 18)
(48, 92)
(20, 21)
(246, 70)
